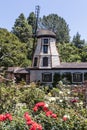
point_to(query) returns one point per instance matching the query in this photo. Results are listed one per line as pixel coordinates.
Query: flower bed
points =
(31, 109)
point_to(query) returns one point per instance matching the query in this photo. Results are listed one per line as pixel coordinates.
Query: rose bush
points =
(29, 108)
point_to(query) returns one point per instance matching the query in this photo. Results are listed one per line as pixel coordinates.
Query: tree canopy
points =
(69, 53)
(77, 40)
(22, 29)
(16, 47)
(12, 51)
(32, 21)
(58, 25)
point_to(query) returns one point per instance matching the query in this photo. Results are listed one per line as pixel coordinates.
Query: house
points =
(46, 63)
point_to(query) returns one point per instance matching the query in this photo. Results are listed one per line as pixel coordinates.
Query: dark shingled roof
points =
(23, 71)
(63, 65)
(45, 33)
(18, 70)
(73, 65)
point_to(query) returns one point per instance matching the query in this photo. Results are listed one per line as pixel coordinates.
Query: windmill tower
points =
(45, 54)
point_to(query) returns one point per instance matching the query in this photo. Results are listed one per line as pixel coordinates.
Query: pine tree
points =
(22, 29)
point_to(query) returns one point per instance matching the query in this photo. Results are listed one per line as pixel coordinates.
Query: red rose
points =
(36, 126)
(8, 116)
(54, 115)
(40, 104)
(49, 113)
(2, 117)
(27, 117)
(45, 109)
(35, 108)
(30, 122)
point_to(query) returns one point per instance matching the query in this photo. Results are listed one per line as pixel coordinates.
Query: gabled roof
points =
(45, 33)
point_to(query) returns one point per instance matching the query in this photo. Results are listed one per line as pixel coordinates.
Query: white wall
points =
(36, 75)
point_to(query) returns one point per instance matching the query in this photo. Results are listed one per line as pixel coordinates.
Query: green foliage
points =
(20, 99)
(56, 79)
(66, 78)
(32, 21)
(10, 96)
(22, 29)
(83, 53)
(31, 96)
(58, 25)
(77, 41)
(55, 92)
(69, 53)
(12, 51)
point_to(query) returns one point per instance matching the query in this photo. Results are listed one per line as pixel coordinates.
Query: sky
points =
(73, 11)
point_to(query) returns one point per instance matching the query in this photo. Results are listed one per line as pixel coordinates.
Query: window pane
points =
(45, 48)
(77, 77)
(45, 41)
(47, 77)
(35, 61)
(85, 76)
(45, 61)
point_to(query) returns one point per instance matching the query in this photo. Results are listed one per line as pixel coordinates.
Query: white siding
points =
(53, 55)
(38, 48)
(41, 61)
(55, 61)
(36, 75)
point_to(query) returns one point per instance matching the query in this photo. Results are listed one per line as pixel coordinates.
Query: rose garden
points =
(39, 107)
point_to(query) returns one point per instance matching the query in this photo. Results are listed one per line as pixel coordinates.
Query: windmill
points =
(37, 11)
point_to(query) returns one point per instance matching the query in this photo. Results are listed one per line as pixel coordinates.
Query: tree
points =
(12, 51)
(32, 21)
(83, 53)
(22, 29)
(77, 40)
(58, 25)
(24, 32)
(69, 53)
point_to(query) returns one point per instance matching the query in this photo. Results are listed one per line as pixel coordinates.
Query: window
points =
(45, 61)
(35, 61)
(77, 77)
(46, 41)
(47, 77)
(45, 45)
(85, 76)
(45, 48)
